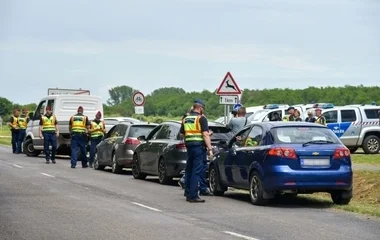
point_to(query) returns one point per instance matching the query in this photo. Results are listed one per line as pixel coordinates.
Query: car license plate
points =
(315, 162)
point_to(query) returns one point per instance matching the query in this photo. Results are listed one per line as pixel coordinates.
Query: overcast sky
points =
(148, 44)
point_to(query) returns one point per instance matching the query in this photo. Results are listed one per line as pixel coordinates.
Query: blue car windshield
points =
(302, 134)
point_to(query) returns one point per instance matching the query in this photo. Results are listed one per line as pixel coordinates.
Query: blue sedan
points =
(278, 158)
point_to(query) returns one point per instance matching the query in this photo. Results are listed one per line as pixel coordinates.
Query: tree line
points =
(172, 102)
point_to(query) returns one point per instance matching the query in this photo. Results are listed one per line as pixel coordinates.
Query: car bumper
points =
(177, 169)
(284, 178)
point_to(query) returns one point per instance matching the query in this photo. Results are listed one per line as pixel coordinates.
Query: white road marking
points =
(147, 207)
(17, 166)
(240, 235)
(47, 175)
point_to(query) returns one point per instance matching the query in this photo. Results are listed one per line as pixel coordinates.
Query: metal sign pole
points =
(225, 114)
(228, 113)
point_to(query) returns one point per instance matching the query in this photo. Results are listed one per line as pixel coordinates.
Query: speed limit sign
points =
(138, 99)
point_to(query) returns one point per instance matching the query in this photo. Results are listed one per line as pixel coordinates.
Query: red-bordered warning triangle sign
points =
(228, 86)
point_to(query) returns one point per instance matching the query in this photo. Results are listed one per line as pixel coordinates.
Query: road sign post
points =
(229, 94)
(138, 99)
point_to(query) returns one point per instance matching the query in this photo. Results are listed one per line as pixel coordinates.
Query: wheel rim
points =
(96, 163)
(113, 163)
(254, 187)
(373, 145)
(30, 148)
(161, 170)
(212, 180)
(135, 166)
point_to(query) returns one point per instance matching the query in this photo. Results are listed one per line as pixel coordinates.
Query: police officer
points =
(310, 117)
(49, 132)
(97, 131)
(13, 125)
(23, 121)
(290, 117)
(197, 137)
(78, 127)
(319, 118)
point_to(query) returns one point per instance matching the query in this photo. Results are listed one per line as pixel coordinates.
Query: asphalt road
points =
(39, 201)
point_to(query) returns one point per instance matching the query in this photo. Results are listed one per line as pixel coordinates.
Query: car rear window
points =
(220, 133)
(137, 131)
(302, 134)
(372, 113)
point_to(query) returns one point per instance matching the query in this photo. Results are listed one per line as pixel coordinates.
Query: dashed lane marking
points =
(240, 235)
(147, 207)
(47, 175)
(17, 166)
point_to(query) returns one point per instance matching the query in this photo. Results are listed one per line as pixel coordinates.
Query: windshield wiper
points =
(317, 142)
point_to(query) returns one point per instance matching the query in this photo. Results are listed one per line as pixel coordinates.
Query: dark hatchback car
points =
(275, 158)
(118, 145)
(163, 153)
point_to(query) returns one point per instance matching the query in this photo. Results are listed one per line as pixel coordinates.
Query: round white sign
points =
(138, 99)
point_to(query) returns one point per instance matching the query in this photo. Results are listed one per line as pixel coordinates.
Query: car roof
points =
(210, 123)
(138, 124)
(286, 124)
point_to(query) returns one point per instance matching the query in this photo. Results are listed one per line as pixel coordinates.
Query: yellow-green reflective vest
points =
(78, 124)
(192, 127)
(98, 127)
(22, 122)
(48, 124)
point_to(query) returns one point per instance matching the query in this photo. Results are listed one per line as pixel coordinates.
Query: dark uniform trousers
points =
(50, 139)
(78, 143)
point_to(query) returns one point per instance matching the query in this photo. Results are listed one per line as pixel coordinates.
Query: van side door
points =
(40, 111)
(331, 116)
(350, 126)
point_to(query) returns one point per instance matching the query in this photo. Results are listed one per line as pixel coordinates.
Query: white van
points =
(63, 107)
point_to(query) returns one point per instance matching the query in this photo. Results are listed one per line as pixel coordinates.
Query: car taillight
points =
(180, 146)
(132, 141)
(341, 152)
(283, 152)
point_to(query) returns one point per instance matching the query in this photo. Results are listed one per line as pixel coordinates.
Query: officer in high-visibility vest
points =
(319, 118)
(97, 131)
(290, 117)
(23, 121)
(13, 125)
(49, 132)
(197, 138)
(78, 126)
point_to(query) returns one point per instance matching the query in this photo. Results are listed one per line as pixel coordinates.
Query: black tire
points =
(341, 197)
(97, 166)
(116, 168)
(214, 182)
(256, 190)
(137, 174)
(353, 149)
(371, 144)
(29, 149)
(162, 175)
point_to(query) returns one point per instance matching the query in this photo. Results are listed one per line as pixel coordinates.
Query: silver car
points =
(118, 145)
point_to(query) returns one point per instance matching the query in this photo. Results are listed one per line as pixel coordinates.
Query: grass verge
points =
(372, 159)
(5, 141)
(366, 196)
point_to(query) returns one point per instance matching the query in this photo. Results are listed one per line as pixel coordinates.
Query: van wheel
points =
(371, 144)
(29, 149)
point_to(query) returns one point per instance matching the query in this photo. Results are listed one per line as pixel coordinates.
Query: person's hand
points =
(238, 138)
(210, 132)
(41, 136)
(57, 134)
(210, 153)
